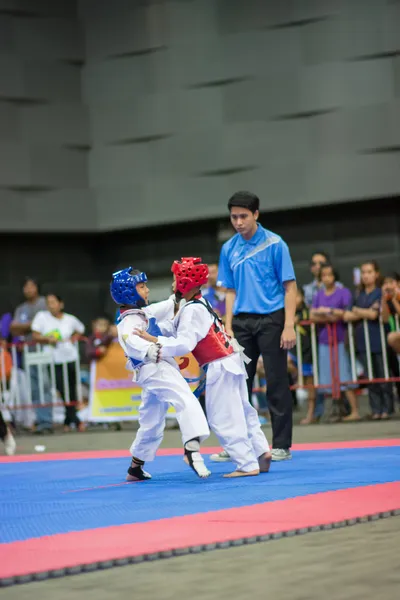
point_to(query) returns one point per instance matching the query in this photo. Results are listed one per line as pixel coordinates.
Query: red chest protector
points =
(216, 344)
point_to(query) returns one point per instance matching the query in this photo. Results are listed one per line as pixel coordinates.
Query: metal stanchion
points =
(384, 348)
(78, 374)
(314, 354)
(352, 352)
(14, 355)
(368, 349)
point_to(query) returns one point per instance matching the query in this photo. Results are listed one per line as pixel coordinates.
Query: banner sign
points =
(113, 394)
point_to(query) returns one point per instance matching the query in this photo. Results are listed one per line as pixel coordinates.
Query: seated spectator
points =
(367, 306)
(100, 339)
(57, 330)
(329, 306)
(302, 314)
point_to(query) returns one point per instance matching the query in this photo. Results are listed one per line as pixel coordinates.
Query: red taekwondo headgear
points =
(189, 273)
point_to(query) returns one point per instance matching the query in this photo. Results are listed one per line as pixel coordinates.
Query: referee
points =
(256, 269)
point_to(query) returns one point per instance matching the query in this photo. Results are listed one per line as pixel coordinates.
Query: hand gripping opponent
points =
(154, 353)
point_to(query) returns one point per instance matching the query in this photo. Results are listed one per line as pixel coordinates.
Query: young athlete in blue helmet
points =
(161, 381)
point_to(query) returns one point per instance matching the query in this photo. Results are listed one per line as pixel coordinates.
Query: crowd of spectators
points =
(324, 301)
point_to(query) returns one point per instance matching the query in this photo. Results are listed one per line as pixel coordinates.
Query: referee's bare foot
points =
(264, 462)
(242, 474)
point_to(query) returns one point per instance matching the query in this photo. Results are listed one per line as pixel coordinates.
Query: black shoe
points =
(136, 473)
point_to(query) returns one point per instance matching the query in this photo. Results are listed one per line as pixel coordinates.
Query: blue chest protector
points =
(152, 329)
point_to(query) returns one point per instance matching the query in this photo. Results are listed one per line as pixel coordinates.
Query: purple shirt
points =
(341, 298)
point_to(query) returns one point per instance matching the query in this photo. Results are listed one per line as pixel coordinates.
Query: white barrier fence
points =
(20, 399)
(30, 383)
(369, 377)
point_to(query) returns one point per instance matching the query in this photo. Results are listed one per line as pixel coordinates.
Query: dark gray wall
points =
(182, 102)
(44, 127)
(190, 100)
(79, 267)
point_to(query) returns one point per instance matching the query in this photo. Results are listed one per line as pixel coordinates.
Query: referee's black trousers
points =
(261, 334)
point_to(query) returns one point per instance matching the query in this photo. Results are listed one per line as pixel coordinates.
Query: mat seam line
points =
(196, 549)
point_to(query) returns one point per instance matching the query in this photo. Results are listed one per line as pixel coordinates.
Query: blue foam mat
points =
(50, 497)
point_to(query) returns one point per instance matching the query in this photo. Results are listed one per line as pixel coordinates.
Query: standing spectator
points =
(212, 293)
(318, 259)
(310, 289)
(303, 314)
(390, 308)
(256, 270)
(329, 306)
(5, 433)
(367, 306)
(21, 328)
(98, 343)
(58, 329)
(7, 437)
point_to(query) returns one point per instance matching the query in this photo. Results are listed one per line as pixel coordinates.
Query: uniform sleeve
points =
(225, 274)
(167, 328)
(193, 326)
(162, 311)
(283, 263)
(78, 326)
(135, 346)
(38, 323)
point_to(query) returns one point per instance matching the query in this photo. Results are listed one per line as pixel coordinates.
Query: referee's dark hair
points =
(244, 200)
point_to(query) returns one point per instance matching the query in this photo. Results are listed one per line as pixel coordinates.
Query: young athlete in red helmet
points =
(199, 330)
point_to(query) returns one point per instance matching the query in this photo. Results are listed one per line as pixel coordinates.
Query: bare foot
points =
(242, 474)
(264, 462)
(385, 416)
(306, 421)
(355, 417)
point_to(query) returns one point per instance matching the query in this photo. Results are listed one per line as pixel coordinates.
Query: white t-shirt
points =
(62, 329)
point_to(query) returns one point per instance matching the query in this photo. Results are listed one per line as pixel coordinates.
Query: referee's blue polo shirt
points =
(256, 269)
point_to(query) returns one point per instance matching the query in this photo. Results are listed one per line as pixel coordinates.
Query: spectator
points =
(329, 306)
(302, 314)
(7, 437)
(6, 364)
(367, 306)
(390, 308)
(21, 329)
(310, 289)
(5, 326)
(58, 329)
(98, 343)
(212, 293)
(256, 270)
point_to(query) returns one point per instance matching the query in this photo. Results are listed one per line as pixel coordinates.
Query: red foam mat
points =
(205, 450)
(85, 547)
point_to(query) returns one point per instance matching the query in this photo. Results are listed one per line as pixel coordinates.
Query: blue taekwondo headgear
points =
(123, 287)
